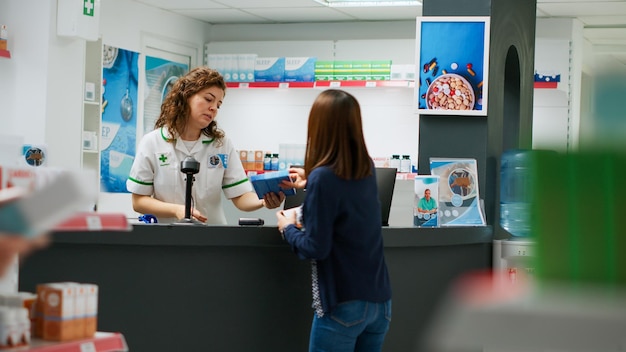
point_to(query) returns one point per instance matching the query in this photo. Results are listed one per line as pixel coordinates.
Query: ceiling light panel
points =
(370, 3)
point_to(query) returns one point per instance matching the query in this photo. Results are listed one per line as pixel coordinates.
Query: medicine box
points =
(258, 160)
(91, 309)
(402, 72)
(324, 70)
(269, 69)
(361, 70)
(342, 70)
(55, 312)
(270, 182)
(3, 44)
(243, 156)
(245, 66)
(300, 69)
(381, 70)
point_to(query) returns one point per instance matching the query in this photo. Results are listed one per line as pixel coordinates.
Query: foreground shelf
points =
(102, 342)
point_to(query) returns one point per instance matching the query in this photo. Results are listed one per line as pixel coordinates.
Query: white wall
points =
(23, 78)
(557, 114)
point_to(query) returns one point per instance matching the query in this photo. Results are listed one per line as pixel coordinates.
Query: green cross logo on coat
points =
(163, 159)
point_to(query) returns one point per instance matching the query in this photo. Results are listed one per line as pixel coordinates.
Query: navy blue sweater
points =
(343, 233)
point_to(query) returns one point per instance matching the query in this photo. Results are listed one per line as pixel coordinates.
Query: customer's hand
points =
(297, 177)
(285, 218)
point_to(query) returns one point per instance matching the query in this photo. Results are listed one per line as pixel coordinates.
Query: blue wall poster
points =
(119, 118)
(160, 77)
(453, 54)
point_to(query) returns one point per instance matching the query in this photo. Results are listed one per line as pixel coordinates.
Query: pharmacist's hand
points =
(272, 200)
(195, 214)
(298, 180)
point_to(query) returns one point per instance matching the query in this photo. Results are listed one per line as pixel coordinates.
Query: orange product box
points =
(3, 44)
(91, 311)
(80, 308)
(243, 156)
(56, 303)
(258, 160)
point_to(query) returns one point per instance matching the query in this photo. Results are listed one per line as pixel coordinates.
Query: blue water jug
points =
(515, 190)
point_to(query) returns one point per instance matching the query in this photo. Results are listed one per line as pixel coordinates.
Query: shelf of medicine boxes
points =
(322, 84)
(101, 342)
(5, 53)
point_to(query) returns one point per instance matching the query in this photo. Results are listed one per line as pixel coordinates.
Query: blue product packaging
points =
(269, 69)
(300, 69)
(270, 182)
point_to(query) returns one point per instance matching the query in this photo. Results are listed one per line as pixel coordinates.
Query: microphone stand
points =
(189, 167)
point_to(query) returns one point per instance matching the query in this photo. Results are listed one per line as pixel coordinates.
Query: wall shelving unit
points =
(92, 109)
(323, 84)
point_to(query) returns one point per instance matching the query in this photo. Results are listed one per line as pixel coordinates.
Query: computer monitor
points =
(294, 200)
(386, 180)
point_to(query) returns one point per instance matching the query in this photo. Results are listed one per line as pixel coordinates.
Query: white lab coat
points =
(156, 172)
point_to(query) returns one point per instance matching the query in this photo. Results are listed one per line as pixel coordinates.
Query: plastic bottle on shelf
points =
(274, 162)
(395, 162)
(405, 163)
(515, 189)
(267, 161)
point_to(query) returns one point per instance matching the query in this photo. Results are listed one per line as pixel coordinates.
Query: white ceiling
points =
(604, 20)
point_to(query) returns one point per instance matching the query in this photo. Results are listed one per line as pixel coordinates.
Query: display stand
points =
(101, 342)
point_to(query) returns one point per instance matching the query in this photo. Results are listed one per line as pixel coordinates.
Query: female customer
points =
(341, 230)
(187, 127)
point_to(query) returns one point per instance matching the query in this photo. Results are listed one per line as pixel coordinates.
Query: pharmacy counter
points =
(198, 288)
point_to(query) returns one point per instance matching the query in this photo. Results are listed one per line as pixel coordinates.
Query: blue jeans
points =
(358, 326)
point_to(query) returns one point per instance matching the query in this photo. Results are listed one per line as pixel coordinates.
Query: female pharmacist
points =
(341, 230)
(186, 127)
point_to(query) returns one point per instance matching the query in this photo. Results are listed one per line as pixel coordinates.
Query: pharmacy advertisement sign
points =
(452, 67)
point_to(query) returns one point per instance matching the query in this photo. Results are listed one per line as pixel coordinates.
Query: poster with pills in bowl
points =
(452, 70)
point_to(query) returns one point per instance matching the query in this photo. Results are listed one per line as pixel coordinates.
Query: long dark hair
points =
(335, 136)
(175, 109)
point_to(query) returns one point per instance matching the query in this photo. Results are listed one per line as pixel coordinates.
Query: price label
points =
(283, 85)
(370, 84)
(88, 347)
(244, 85)
(93, 223)
(335, 84)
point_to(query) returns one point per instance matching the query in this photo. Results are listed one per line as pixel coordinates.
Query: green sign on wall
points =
(88, 7)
